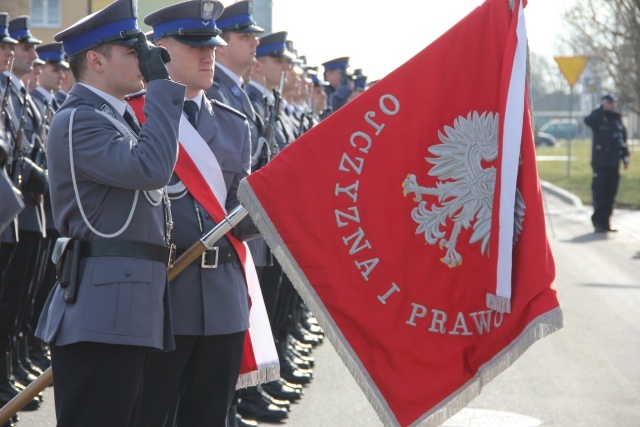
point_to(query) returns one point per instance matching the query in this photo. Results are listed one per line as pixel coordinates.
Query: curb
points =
(561, 193)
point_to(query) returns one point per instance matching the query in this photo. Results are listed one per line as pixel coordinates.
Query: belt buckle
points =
(203, 262)
(172, 255)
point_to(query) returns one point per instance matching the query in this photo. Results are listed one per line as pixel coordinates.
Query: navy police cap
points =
(52, 53)
(116, 23)
(274, 45)
(238, 18)
(359, 79)
(19, 30)
(4, 29)
(191, 22)
(338, 63)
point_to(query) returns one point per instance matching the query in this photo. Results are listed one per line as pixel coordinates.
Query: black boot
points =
(7, 388)
(25, 361)
(38, 353)
(20, 373)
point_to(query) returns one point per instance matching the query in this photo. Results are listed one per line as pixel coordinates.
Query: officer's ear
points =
(95, 60)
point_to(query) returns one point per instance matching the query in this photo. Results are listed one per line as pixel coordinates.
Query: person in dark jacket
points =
(608, 149)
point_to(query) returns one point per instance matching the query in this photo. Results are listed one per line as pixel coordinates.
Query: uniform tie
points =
(192, 111)
(128, 117)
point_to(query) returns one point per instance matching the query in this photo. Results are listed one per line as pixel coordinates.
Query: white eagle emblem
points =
(206, 12)
(465, 188)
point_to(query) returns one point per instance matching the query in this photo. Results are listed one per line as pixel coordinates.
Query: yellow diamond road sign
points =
(571, 67)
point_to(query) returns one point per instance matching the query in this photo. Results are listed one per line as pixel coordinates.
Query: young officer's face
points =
(190, 65)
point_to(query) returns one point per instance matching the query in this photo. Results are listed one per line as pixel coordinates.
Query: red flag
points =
(408, 210)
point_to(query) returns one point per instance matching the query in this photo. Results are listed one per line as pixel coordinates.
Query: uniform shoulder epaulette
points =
(216, 83)
(228, 108)
(143, 92)
(84, 104)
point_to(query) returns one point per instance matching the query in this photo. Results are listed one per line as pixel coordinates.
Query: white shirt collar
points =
(115, 102)
(45, 93)
(197, 99)
(233, 76)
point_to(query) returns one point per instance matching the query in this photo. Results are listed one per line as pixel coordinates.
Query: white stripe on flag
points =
(512, 140)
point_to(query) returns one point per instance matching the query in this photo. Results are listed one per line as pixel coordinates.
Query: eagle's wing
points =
(471, 139)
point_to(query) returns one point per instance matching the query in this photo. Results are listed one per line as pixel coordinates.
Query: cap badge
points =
(206, 12)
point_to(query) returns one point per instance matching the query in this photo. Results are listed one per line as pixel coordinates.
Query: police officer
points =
(109, 308)
(209, 300)
(609, 148)
(52, 73)
(234, 60)
(318, 95)
(339, 75)
(19, 273)
(11, 206)
(270, 69)
(359, 83)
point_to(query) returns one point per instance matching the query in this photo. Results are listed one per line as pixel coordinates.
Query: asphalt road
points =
(585, 375)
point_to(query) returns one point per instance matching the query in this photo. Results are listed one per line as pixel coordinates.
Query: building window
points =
(45, 13)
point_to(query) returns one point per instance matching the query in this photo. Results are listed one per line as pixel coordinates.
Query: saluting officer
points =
(109, 308)
(209, 300)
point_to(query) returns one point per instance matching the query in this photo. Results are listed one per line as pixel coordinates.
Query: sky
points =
(379, 36)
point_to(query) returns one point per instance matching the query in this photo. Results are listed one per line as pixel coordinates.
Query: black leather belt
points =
(212, 258)
(125, 248)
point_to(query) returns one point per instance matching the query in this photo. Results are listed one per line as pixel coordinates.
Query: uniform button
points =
(127, 274)
(176, 101)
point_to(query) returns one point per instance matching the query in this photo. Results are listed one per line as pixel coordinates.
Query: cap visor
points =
(130, 42)
(199, 41)
(31, 40)
(247, 29)
(7, 39)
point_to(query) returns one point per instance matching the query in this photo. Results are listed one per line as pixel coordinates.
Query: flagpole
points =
(195, 250)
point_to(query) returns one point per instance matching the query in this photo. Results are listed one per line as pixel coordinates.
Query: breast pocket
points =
(230, 163)
(118, 301)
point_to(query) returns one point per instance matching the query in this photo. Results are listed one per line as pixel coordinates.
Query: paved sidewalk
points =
(628, 221)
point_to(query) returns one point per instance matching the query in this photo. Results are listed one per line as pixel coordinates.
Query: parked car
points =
(561, 128)
(543, 138)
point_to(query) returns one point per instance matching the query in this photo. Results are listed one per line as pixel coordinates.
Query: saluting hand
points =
(152, 60)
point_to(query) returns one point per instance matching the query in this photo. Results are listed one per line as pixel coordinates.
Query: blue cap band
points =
(50, 55)
(173, 27)
(19, 33)
(334, 65)
(87, 39)
(232, 21)
(268, 48)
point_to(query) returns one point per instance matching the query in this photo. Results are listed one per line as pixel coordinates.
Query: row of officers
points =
(91, 183)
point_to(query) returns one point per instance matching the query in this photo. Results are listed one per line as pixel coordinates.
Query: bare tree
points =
(609, 32)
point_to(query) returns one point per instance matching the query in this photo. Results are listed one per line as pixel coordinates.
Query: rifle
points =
(18, 142)
(40, 156)
(190, 255)
(4, 114)
(267, 144)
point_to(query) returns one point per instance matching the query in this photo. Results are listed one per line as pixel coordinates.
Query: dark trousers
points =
(604, 188)
(193, 384)
(17, 283)
(97, 384)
